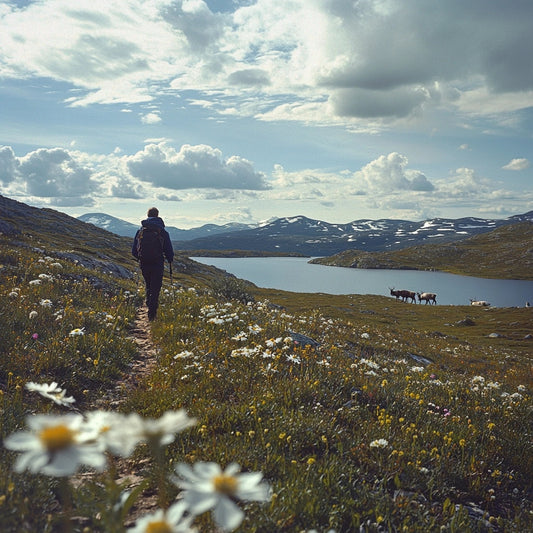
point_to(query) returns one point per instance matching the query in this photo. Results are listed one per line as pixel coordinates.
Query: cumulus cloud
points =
(198, 166)
(151, 118)
(389, 173)
(49, 173)
(70, 178)
(465, 183)
(517, 164)
(8, 165)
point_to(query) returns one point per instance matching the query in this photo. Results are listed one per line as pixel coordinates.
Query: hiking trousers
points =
(153, 279)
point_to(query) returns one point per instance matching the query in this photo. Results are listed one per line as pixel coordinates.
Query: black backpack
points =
(150, 245)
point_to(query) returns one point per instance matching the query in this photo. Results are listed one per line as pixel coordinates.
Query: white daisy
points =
(51, 391)
(206, 487)
(55, 446)
(171, 520)
(76, 332)
(379, 443)
(120, 434)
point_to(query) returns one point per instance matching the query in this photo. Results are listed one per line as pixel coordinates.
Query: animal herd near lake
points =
(429, 297)
(410, 296)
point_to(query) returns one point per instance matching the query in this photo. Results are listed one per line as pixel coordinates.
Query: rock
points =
(420, 359)
(303, 340)
(104, 266)
(495, 335)
(465, 322)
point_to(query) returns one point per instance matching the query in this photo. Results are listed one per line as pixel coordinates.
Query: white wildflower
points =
(206, 486)
(51, 391)
(183, 355)
(379, 443)
(55, 446)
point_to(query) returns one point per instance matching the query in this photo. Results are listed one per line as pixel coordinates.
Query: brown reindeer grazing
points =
(403, 294)
(429, 297)
(395, 293)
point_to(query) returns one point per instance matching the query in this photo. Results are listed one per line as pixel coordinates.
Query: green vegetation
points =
(403, 418)
(506, 253)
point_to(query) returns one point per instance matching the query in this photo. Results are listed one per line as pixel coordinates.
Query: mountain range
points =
(127, 229)
(307, 236)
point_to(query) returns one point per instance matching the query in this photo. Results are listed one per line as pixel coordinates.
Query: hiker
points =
(151, 246)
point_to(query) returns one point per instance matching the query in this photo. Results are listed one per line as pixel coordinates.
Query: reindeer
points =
(403, 294)
(429, 297)
(479, 303)
(395, 293)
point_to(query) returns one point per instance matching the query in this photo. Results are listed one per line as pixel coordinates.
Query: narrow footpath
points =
(128, 470)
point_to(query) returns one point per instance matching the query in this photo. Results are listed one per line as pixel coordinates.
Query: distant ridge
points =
(306, 236)
(126, 229)
(505, 252)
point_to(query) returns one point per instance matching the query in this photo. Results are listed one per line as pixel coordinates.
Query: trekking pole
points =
(170, 267)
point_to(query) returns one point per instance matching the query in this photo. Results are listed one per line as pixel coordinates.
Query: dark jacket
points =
(167, 244)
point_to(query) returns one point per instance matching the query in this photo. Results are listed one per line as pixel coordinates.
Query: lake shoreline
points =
(300, 276)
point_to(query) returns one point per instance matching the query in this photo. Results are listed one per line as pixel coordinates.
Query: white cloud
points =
(56, 173)
(389, 173)
(198, 166)
(151, 118)
(465, 183)
(517, 164)
(8, 165)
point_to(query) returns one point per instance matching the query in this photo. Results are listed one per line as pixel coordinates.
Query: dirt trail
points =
(127, 469)
(140, 367)
(146, 358)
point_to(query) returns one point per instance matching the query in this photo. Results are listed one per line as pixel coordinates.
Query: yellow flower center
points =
(159, 526)
(225, 484)
(57, 438)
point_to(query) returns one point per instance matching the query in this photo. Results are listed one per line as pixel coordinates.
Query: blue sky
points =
(240, 111)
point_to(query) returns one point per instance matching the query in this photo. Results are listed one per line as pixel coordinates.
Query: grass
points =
(401, 418)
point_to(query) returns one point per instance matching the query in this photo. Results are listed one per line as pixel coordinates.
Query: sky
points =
(219, 111)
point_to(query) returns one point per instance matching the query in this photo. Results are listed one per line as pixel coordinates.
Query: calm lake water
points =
(297, 275)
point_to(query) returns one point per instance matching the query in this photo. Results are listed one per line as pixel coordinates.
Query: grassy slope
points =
(506, 253)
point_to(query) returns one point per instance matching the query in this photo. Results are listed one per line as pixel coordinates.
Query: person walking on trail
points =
(151, 246)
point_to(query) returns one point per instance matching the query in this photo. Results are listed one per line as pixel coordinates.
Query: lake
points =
(297, 275)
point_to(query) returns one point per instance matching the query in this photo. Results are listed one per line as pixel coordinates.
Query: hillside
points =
(506, 253)
(65, 237)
